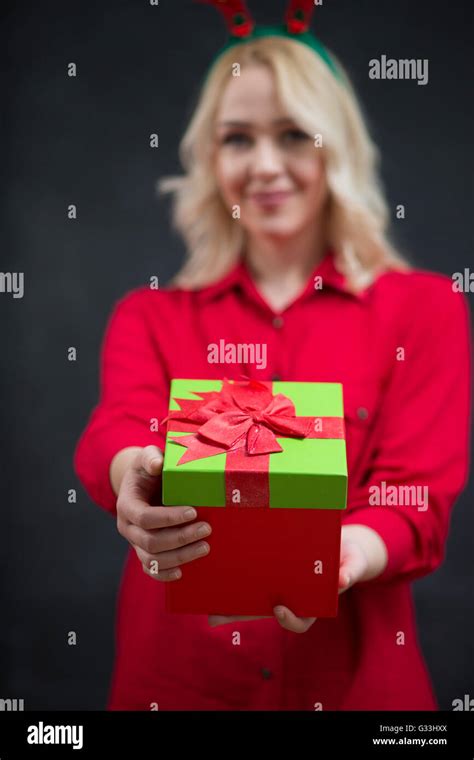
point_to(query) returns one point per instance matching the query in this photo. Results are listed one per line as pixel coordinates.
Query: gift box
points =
(264, 463)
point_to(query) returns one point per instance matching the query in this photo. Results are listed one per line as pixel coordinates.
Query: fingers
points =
(139, 482)
(153, 570)
(222, 619)
(155, 563)
(161, 536)
(292, 623)
(345, 574)
(353, 565)
(287, 620)
(162, 550)
(345, 579)
(133, 510)
(162, 540)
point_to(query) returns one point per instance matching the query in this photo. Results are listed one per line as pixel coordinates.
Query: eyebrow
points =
(233, 123)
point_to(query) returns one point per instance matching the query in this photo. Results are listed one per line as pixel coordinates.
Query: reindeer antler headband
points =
(296, 26)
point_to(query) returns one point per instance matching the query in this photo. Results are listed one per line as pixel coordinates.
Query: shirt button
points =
(266, 673)
(278, 322)
(362, 413)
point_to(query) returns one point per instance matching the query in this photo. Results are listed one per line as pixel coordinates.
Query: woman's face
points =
(264, 163)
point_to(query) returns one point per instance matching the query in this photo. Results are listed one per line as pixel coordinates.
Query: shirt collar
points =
(239, 276)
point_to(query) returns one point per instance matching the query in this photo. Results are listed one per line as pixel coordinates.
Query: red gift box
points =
(264, 556)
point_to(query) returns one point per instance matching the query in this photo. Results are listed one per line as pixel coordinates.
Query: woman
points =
(285, 225)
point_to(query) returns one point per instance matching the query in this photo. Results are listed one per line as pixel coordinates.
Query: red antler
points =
(237, 17)
(298, 16)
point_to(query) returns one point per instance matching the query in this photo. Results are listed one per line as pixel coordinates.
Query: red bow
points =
(242, 416)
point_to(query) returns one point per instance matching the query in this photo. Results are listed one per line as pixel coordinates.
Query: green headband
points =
(243, 29)
(307, 38)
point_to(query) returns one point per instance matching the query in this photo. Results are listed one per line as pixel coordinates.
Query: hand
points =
(163, 537)
(363, 556)
(285, 617)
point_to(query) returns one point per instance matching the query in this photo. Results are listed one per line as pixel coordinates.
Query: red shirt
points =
(407, 423)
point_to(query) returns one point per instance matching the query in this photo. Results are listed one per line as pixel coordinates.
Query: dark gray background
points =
(85, 141)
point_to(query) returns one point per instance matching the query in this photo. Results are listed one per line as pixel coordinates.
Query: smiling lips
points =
(271, 199)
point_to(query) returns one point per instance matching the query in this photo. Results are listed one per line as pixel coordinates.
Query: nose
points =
(267, 159)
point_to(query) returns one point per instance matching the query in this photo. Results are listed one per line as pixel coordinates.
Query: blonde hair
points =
(357, 213)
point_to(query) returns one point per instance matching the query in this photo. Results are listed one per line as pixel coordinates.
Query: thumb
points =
(150, 461)
(353, 565)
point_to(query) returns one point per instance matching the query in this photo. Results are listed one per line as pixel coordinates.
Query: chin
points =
(279, 228)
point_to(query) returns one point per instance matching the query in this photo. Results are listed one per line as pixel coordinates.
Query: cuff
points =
(92, 459)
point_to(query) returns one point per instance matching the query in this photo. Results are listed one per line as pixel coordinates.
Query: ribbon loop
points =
(242, 415)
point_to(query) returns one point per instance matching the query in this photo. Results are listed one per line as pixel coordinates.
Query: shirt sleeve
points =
(424, 433)
(134, 393)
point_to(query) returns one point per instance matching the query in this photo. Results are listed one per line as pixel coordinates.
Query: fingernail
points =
(175, 574)
(280, 612)
(155, 462)
(190, 514)
(202, 549)
(204, 530)
(347, 580)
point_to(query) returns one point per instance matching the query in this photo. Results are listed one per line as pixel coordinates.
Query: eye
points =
(295, 135)
(235, 138)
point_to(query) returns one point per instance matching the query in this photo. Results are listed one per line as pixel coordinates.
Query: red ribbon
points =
(241, 420)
